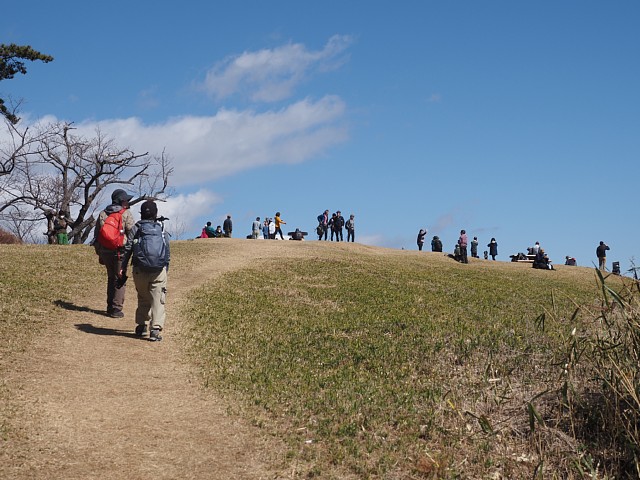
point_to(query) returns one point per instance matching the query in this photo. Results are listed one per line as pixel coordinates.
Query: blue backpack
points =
(150, 247)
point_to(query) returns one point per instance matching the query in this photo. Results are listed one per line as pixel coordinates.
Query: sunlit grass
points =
(369, 362)
(356, 355)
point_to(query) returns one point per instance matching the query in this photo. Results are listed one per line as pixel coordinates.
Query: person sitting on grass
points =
(436, 244)
(209, 230)
(542, 261)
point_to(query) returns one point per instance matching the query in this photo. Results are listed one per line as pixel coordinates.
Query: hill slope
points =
(81, 395)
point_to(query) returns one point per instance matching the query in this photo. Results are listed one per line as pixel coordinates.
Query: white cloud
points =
(272, 74)
(188, 207)
(183, 211)
(204, 149)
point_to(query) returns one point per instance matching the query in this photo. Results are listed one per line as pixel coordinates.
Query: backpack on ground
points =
(149, 247)
(111, 235)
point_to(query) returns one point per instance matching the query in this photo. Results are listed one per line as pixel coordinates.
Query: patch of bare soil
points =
(94, 401)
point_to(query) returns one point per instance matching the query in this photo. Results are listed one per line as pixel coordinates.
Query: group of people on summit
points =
(536, 255)
(118, 239)
(269, 229)
(334, 224)
(460, 248)
(225, 231)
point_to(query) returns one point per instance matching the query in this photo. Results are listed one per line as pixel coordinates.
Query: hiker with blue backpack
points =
(148, 247)
(112, 227)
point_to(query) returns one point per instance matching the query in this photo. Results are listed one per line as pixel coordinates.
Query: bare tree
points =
(54, 170)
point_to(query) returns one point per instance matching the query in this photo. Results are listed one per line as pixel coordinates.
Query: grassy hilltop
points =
(377, 363)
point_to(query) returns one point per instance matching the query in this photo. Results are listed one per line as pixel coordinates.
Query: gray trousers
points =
(115, 296)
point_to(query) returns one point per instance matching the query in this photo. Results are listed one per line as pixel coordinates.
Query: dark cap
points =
(149, 210)
(119, 196)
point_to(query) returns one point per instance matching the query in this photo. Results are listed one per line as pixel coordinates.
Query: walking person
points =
(113, 225)
(351, 228)
(420, 240)
(601, 253)
(493, 248)
(279, 223)
(148, 246)
(462, 241)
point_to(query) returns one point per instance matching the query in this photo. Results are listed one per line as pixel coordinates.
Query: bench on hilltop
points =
(523, 258)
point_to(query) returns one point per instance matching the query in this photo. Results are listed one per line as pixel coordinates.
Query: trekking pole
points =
(162, 220)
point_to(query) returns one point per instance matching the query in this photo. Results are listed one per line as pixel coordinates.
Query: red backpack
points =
(111, 235)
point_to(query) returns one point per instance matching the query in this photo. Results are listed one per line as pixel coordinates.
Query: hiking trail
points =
(94, 401)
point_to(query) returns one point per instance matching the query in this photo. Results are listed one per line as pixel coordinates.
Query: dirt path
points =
(96, 402)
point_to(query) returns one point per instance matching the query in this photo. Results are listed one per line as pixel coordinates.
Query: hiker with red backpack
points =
(112, 227)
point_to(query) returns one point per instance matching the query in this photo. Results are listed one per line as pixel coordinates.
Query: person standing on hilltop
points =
(474, 247)
(463, 241)
(60, 225)
(323, 219)
(338, 224)
(255, 228)
(227, 226)
(332, 225)
(351, 228)
(420, 240)
(493, 248)
(601, 253)
(115, 215)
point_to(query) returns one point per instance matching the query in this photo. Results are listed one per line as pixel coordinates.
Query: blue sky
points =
(513, 120)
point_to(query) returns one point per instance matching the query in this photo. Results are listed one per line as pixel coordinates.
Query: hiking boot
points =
(141, 330)
(116, 313)
(155, 336)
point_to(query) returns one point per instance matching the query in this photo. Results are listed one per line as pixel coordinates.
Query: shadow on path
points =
(78, 308)
(88, 328)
